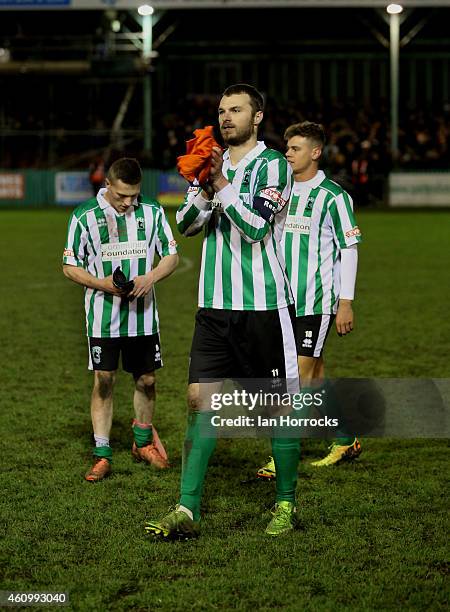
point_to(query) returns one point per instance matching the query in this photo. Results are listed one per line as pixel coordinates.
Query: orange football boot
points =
(100, 470)
(149, 454)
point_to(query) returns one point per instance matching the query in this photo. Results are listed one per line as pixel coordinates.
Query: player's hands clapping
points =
(344, 317)
(207, 190)
(216, 178)
(142, 285)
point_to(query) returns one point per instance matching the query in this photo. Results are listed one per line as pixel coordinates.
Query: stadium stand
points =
(82, 76)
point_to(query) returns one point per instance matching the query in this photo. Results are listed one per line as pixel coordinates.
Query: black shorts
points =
(140, 354)
(310, 334)
(246, 344)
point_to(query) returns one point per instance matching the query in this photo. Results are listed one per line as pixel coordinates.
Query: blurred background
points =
(83, 87)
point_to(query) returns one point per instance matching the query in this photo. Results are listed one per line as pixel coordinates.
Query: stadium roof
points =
(206, 4)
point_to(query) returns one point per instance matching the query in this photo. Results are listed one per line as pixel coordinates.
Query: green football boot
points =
(284, 519)
(340, 453)
(176, 525)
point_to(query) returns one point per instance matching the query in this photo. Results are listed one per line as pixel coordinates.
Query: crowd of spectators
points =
(357, 153)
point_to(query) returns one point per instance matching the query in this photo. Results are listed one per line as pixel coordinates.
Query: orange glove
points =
(196, 164)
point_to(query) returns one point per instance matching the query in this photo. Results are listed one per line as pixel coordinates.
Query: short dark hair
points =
(125, 169)
(307, 129)
(256, 99)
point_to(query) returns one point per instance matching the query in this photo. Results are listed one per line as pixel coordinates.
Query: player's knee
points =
(146, 383)
(104, 383)
(319, 369)
(193, 397)
(306, 369)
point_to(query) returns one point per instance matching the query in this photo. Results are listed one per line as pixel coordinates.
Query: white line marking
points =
(185, 264)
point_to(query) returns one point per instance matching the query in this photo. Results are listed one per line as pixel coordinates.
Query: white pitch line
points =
(185, 264)
(34, 286)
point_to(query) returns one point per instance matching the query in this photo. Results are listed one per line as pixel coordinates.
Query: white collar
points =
(103, 202)
(250, 156)
(312, 183)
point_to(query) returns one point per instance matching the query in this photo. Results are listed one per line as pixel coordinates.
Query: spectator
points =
(97, 174)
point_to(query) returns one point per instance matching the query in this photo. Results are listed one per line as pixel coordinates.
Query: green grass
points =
(373, 533)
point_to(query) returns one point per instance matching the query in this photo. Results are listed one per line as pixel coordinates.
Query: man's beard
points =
(240, 137)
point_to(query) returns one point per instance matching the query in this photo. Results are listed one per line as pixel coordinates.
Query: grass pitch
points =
(373, 533)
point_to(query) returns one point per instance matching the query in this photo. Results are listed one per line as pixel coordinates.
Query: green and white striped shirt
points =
(320, 222)
(242, 265)
(100, 240)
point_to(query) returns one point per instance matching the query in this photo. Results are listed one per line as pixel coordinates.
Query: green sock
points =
(286, 453)
(142, 433)
(198, 448)
(334, 410)
(105, 452)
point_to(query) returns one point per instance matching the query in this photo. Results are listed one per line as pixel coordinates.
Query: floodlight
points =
(5, 55)
(115, 25)
(145, 9)
(394, 9)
